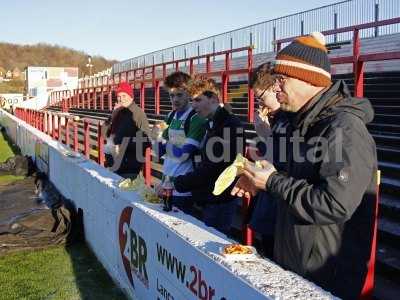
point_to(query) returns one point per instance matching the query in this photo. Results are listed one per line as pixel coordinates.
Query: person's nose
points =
(276, 87)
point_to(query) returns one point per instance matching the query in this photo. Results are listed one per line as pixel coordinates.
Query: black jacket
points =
(225, 147)
(125, 126)
(326, 208)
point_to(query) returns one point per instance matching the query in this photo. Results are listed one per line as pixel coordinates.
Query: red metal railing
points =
(86, 133)
(87, 96)
(82, 131)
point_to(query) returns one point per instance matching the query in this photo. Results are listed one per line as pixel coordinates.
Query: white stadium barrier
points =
(149, 253)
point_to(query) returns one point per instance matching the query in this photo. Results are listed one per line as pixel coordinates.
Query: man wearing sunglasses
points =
(325, 197)
(223, 141)
(182, 137)
(262, 210)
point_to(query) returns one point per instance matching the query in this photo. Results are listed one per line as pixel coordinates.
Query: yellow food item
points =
(138, 185)
(229, 174)
(237, 249)
(125, 184)
(225, 180)
(163, 125)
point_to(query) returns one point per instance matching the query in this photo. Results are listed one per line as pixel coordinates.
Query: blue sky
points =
(121, 29)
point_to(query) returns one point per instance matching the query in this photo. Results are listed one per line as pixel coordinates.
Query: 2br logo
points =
(132, 248)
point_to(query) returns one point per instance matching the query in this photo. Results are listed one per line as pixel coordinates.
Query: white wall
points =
(132, 239)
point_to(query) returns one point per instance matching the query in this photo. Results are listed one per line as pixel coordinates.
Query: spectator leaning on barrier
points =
(262, 211)
(325, 199)
(223, 141)
(181, 139)
(129, 132)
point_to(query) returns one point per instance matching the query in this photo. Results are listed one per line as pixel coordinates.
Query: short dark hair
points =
(262, 77)
(177, 80)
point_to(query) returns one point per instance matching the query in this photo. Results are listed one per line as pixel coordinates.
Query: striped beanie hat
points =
(306, 59)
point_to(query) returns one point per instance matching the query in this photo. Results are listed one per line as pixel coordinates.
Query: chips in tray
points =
(230, 173)
(237, 249)
(138, 185)
(238, 252)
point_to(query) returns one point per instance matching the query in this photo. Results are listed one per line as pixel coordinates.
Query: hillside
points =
(21, 56)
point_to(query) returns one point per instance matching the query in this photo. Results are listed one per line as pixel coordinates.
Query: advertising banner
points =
(161, 265)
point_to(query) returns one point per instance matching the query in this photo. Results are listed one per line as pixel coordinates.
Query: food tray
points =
(250, 256)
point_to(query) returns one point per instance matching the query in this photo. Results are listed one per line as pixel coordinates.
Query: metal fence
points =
(263, 35)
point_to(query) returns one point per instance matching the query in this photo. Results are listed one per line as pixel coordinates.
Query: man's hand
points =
(259, 176)
(254, 179)
(244, 187)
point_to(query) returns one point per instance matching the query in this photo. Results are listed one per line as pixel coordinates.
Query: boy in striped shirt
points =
(182, 138)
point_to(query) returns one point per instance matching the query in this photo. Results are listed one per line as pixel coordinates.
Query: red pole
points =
(89, 99)
(67, 131)
(100, 146)
(95, 99)
(59, 129)
(53, 126)
(157, 97)
(36, 115)
(43, 119)
(176, 66)
(84, 98)
(86, 137)
(102, 99)
(246, 230)
(142, 91)
(47, 125)
(76, 147)
(358, 66)
(224, 87)
(78, 95)
(250, 90)
(225, 79)
(368, 287)
(147, 167)
(110, 98)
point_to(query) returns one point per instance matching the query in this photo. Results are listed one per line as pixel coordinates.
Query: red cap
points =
(125, 87)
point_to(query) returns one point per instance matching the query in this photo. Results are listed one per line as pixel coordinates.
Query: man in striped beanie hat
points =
(324, 183)
(304, 67)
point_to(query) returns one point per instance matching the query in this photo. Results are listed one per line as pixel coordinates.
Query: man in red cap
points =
(128, 134)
